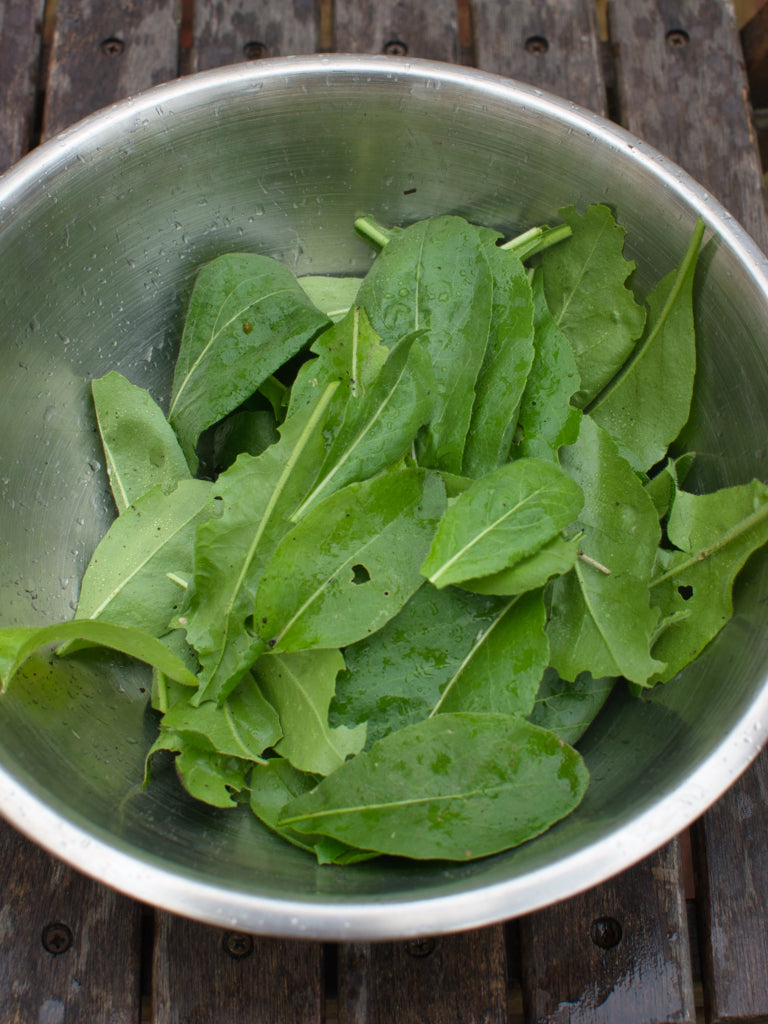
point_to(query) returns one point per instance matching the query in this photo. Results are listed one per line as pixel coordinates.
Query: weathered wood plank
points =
(104, 50)
(681, 87)
(452, 979)
(20, 55)
(551, 44)
(203, 974)
(615, 953)
(663, 47)
(69, 947)
(398, 27)
(731, 859)
(229, 31)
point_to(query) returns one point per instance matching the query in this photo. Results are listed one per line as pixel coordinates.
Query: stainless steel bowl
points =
(101, 232)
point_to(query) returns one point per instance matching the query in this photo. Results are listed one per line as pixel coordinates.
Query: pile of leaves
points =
(397, 538)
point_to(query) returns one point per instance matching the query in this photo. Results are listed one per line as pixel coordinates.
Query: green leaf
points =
(350, 353)
(244, 725)
(273, 785)
(350, 564)
(554, 558)
(547, 420)
(435, 276)
(662, 487)
(568, 709)
(247, 316)
(503, 517)
(258, 496)
(333, 296)
(379, 426)
(602, 620)
(207, 776)
(139, 569)
(300, 686)
(505, 368)
(585, 288)
(17, 643)
(501, 671)
(455, 787)
(714, 535)
(647, 403)
(395, 676)
(140, 447)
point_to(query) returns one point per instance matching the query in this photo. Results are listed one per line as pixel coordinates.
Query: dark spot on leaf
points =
(408, 191)
(271, 643)
(360, 575)
(685, 591)
(247, 326)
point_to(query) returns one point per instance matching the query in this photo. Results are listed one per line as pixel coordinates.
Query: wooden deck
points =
(656, 944)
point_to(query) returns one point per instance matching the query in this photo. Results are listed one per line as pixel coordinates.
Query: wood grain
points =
(617, 953)
(228, 31)
(731, 861)
(20, 56)
(664, 82)
(90, 970)
(105, 50)
(399, 28)
(551, 44)
(452, 979)
(681, 87)
(203, 974)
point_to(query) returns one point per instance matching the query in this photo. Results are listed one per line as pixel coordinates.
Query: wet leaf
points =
(434, 276)
(602, 619)
(585, 284)
(247, 316)
(505, 516)
(455, 787)
(647, 403)
(714, 535)
(300, 687)
(350, 564)
(140, 447)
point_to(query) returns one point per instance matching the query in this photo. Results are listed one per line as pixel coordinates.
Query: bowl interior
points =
(101, 234)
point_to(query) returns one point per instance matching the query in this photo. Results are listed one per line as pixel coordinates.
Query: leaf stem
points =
(536, 240)
(594, 563)
(728, 537)
(372, 231)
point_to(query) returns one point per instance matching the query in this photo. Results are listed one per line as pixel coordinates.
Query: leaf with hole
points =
(713, 536)
(310, 594)
(602, 618)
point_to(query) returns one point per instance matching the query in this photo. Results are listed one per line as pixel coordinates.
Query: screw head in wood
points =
(420, 947)
(537, 45)
(254, 50)
(237, 945)
(395, 48)
(57, 938)
(112, 47)
(605, 932)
